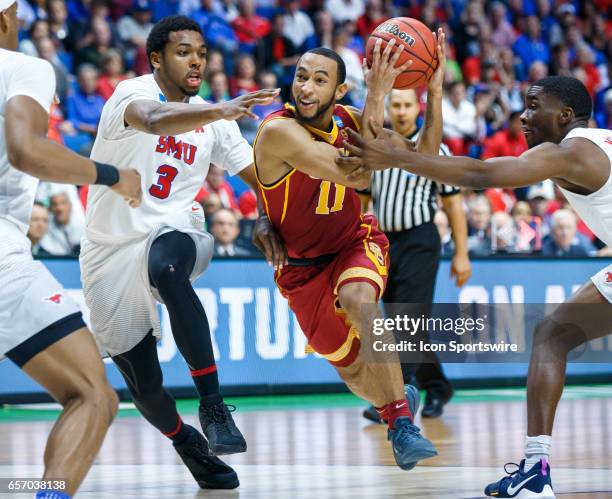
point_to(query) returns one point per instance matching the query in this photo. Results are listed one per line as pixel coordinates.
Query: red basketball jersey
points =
(313, 216)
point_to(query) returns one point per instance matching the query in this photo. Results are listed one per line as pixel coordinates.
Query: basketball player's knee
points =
(353, 298)
(350, 370)
(166, 276)
(551, 337)
(94, 392)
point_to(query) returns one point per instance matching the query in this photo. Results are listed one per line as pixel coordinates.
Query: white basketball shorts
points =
(118, 293)
(35, 311)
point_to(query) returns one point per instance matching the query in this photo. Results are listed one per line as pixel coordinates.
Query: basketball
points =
(419, 45)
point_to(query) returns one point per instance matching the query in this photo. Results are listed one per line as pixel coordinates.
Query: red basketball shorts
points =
(313, 291)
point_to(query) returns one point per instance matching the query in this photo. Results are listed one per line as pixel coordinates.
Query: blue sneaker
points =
(522, 484)
(409, 446)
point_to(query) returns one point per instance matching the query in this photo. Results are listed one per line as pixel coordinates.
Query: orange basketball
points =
(419, 45)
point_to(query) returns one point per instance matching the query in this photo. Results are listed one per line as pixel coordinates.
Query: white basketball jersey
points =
(172, 168)
(20, 75)
(595, 209)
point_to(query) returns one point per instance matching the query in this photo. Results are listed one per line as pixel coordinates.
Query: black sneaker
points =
(209, 471)
(220, 430)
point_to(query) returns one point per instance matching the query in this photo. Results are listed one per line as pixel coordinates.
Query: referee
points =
(405, 205)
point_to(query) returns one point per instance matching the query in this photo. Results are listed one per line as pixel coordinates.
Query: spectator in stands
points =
(447, 245)
(84, 110)
(39, 225)
(507, 142)
(82, 32)
(64, 235)
(225, 230)
(354, 69)
(219, 33)
(215, 182)
(551, 31)
(249, 27)
(211, 203)
(564, 239)
(345, 10)
(503, 35)
(113, 74)
(46, 50)
(38, 30)
(530, 46)
(560, 63)
(459, 118)
(371, 18)
(277, 51)
(102, 42)
(468, 30)
(135, 28)
(537, 71)
(479, 218)
(214, 64)
(219, 87)
(604, 117)
(585, 60)
(244, 79)
(324, 32)
(297, 26)
(59, 24)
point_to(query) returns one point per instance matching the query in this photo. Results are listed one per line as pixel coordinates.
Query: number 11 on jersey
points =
(323, 205)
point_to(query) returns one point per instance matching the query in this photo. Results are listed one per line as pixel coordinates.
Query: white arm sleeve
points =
(34, 78)
(231, 151)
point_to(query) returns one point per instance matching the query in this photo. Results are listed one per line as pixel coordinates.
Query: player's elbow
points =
(19, 156)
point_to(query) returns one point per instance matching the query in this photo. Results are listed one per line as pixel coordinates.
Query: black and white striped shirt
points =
(402, 200)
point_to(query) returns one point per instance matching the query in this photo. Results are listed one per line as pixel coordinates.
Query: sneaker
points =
(435, 402)
(220, 430)
(409, 446)
(209, 471)
(413, 397)
(522, 484)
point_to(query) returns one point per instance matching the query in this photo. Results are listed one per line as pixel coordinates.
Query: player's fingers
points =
(396, 55)
(348, 164)
(353, 149)
(355, 137)
(359, 172)
(266, 248)
(404, 67)
(278, 253)
(387, 52)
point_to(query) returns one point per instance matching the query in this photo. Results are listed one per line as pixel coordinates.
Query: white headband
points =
(5, 4)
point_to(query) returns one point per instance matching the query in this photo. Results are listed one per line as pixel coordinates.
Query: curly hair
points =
(158, 38)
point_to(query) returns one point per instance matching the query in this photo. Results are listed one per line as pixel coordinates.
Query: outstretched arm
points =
(30, 151)
(548, 160)
(174, 118)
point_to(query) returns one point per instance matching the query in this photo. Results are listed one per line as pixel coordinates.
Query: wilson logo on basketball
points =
(395, 30)
(608, 277)
(56, 298)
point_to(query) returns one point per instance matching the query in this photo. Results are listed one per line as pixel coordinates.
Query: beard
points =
(189, 93)
(320, 111)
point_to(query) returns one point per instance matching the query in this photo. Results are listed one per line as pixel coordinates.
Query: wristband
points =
(106, 174)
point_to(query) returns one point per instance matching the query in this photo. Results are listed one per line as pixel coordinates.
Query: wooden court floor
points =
(319, 447)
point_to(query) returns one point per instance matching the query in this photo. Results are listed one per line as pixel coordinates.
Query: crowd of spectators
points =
(495, 50)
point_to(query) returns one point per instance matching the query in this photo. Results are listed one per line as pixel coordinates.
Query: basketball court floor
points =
(319, 446)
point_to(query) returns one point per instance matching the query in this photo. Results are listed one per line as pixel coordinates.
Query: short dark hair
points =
(158, 38)
(570, 91)
(330, 54)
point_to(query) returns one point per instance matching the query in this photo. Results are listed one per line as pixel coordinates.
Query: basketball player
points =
(578, 159)
(130, 259)
(41, 328)
(338, 259)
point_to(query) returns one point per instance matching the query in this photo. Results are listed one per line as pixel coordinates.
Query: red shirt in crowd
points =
(106, 85)
(503, 144)
(251, 30)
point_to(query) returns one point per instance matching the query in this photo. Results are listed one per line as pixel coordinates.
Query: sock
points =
(536, 448)
(179, 434)
(210, 400)
(51, 494)
(394, 410)
(206, 380)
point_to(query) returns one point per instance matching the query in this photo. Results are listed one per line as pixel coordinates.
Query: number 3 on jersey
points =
(323, 206)
(167, 174)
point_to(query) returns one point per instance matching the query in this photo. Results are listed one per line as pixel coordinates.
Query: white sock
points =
(536, 448)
